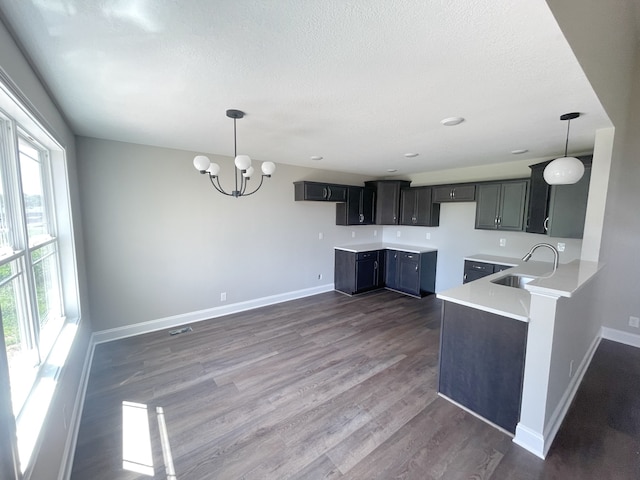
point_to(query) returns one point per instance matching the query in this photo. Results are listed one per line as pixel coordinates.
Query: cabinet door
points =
(423, 207)
(391, 269)
(442, 194)
(409, 273)
(568, 208)
(487, 206)
(388, 203)
(538, 200)
(463, 193)
(408, 198)
(454, 193)
(367, 274)
(513, 202)
(316, 191)
(368, 206)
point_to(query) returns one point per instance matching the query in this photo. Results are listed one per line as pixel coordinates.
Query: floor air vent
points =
(180, 330)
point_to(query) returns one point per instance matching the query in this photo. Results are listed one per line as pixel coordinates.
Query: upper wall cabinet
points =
(416, 207)
(454, 193)
(322, 192)
(387, 200)
(558, 210)
(359, 208)
(501, 206)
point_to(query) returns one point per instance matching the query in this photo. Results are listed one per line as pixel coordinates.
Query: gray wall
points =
(604, 38)
(55, 430)
(162, 242)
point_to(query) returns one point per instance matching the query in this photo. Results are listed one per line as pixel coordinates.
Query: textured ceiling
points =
(359, 83)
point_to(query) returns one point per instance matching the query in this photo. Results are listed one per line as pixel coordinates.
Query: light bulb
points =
(268, 168)
(243, 162)
(201, 163)
(213, 169)
(248, 173)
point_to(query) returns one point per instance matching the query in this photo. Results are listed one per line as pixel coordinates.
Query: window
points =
(38, 279)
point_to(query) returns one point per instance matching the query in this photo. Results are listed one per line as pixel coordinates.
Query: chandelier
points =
(243, 168)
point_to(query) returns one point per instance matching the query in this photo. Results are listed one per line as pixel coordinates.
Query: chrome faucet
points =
(556, 255)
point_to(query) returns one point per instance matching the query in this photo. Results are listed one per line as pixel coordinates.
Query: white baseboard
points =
(177, 320)
(552, 427)
(529, 440)
(632, 339)
(76, 415)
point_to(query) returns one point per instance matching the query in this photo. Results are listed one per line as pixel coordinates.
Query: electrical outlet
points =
(320, 236)
(571, 369)
(503, 242)
(428, 236)
(634, 322)
(223, 297)
(398, 233)
(353, 234)
(561, 246)
(375, 233)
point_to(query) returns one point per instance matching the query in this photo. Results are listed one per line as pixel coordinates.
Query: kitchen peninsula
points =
(496, 347)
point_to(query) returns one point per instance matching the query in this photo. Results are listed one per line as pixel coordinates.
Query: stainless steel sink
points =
(515, 281)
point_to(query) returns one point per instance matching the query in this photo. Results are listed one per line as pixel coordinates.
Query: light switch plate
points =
(503, 242)
(561, 246)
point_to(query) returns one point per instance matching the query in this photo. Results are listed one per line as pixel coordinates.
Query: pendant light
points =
(243, 168)
(564, 170)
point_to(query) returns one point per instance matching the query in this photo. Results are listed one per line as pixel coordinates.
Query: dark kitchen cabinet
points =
(482, 363)
(359, 208)
(501, 206)
(417, 209)
(474, 270)
(321, 192)
(387, 205)
(454, 193)
(357, 272)
(411, 273)
(558, 210)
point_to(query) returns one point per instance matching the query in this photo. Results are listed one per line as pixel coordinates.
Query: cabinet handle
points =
(546, 224)
(453, 193)
(464, 277)
(329, 190)
(495, 222)
(324, 192)
(499, 220)
(416, 267)
(375, 265)
(361, 218)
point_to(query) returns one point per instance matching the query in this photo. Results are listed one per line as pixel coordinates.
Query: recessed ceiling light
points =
(519, 151)
(411, 155)
(451, 121)
(392, 170)
(316, 158)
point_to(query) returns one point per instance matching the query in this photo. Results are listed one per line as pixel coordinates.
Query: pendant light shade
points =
(564, 170)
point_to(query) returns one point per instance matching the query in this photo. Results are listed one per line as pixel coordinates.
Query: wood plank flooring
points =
(330, 387)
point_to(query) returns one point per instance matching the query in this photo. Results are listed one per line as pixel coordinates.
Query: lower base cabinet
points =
(358, 272)
(406, 272)
(482, 363)
(411, 273)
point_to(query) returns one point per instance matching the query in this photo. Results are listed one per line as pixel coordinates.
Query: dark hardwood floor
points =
(329, 387)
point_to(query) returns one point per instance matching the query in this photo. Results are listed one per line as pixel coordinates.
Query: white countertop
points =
(480, 257)
(514, 302)
(367, 247)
